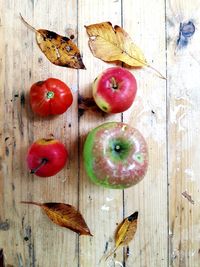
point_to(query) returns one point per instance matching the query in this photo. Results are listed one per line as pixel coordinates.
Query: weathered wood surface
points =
(183, 135)
(148, 114)
(166, 112)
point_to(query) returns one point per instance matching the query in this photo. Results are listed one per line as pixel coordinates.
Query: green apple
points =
(115, 155)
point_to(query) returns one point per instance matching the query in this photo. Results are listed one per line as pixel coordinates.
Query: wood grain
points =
(104, 207)
(183, 156)
(166, 112)
(2, 77)
(33, 237)
(148, 114)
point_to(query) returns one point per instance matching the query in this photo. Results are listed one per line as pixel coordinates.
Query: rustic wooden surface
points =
(166, 112)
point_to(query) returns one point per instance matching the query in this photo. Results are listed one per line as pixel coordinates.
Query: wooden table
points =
(165, 111)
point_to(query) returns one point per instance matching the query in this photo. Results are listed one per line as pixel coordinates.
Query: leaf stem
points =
(31, 202)
(158, 72)
(111, 253)
(149, 66)
(27, 24)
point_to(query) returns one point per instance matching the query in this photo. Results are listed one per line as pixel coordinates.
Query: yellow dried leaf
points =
(126, 230)
(60, 50)
(111, 44)
(114, 44)
(124, 233)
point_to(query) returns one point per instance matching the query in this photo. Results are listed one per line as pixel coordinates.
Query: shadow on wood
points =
(1, 258)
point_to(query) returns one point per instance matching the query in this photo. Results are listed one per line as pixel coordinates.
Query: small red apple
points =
(50, 97)
(46, 157)
(114, 90)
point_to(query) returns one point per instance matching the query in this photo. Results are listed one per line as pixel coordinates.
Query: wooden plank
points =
(27, 237)
(32, 239)
(148, 114)
(9, 86)
(103, 208)
(2, 72)
(184, 114)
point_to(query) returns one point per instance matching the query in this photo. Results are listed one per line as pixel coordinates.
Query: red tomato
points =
(50, 97)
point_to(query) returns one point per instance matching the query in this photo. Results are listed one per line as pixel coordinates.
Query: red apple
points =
(115, 155)
(46, 157)
(114, 90)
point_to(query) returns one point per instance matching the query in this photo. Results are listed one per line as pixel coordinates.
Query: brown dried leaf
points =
(114, 44)
(125, 232)
(88, 104)
(60, 50)
(64, 215)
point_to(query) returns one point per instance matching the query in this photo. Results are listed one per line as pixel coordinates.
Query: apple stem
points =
(50, 94)
(42, 163)
(114, 83)
(117, 148)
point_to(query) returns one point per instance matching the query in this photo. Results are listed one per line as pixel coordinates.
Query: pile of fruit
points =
(115, 154)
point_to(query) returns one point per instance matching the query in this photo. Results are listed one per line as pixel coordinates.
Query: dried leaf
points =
(124, 232)
(60, 50)
(111, 44)
(64, 215)
(88, 103)
(114, 44)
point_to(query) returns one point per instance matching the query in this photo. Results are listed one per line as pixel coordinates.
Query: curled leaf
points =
(60, 50)
(125, 232)
(64, 215)
(114, 44)
(88, 103)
